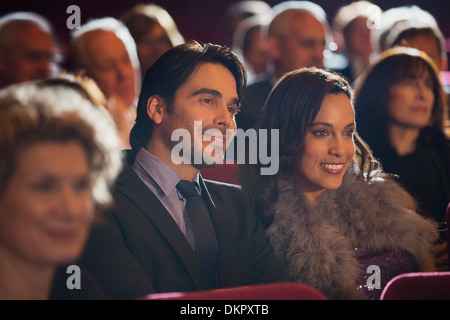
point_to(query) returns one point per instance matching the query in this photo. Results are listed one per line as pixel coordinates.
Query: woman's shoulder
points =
(433, 138)
(376, 189)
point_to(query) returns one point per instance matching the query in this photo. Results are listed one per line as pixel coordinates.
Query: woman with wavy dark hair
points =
(330, 212)
(400, 110)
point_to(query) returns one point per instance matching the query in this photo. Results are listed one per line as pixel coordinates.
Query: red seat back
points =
(418, 286)
(226, 172)
(272, 291)
(447, 227)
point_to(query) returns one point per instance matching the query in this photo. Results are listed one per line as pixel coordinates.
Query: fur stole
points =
(316, 243)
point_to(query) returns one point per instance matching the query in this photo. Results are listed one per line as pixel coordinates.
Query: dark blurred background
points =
(196, 19)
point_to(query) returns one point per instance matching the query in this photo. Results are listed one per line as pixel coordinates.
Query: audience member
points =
(391, 16)
(104, 50)
(416, 28)
(81, 83)
(248, 44)
(58, 154)
(296, 37)
(153, 30)
(330, 213)
(400, 108)
(151, 243)
(351, 28)
(236, 13)
(27, 48)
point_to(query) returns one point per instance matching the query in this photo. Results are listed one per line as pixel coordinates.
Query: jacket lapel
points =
(133, 188)
(224, 234)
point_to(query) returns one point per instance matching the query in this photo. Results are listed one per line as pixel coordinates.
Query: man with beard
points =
(151, 241)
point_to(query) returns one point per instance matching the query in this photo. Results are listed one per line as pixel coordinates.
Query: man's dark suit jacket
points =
(141, 250)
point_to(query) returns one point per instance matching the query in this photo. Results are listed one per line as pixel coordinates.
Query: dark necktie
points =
(206, 247)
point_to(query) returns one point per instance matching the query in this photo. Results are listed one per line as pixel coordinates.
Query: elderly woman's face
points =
(328, 148)
(47, 207)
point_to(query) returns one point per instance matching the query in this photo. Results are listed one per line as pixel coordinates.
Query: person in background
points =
(236, 13)
(351, 29)
(28, 50)
(296, 37)
(400, 110)
(386, 32)
(104, 50)
(249, 46)
(151, 242)
(416, 28)
(154, 31)
(329, 212)
(58, 157)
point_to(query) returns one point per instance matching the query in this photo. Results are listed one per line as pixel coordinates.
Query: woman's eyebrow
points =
(330, 125)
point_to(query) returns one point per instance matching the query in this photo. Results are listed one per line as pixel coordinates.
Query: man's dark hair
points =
(173, 69)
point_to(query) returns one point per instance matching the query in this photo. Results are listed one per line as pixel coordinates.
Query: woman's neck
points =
(313, 195)
(313, 198)
(403, 139)
(20, 280)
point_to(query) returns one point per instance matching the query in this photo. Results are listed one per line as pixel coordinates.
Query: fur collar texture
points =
(316, 243)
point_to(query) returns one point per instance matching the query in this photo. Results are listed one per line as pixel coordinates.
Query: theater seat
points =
(224, 173)
(418, 286)
(272, 291)
(447, 228)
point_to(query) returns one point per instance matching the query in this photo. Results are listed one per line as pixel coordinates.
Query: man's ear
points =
(156, 107)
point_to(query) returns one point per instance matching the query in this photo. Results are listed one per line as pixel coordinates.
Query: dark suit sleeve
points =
(246, 254)
(266, 266)
(108, 258)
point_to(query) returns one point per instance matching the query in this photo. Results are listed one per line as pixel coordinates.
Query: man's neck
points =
(185, 171)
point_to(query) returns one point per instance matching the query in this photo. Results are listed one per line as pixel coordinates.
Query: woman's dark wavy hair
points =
(372, 94)
(172, 70)
(291, 107)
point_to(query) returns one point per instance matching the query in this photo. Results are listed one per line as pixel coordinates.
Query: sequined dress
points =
(384, 266)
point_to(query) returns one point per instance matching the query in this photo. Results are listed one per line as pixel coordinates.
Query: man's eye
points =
(233, 109)
(207, 101)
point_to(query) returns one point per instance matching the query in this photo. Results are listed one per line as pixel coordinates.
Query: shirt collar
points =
(163, 175)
